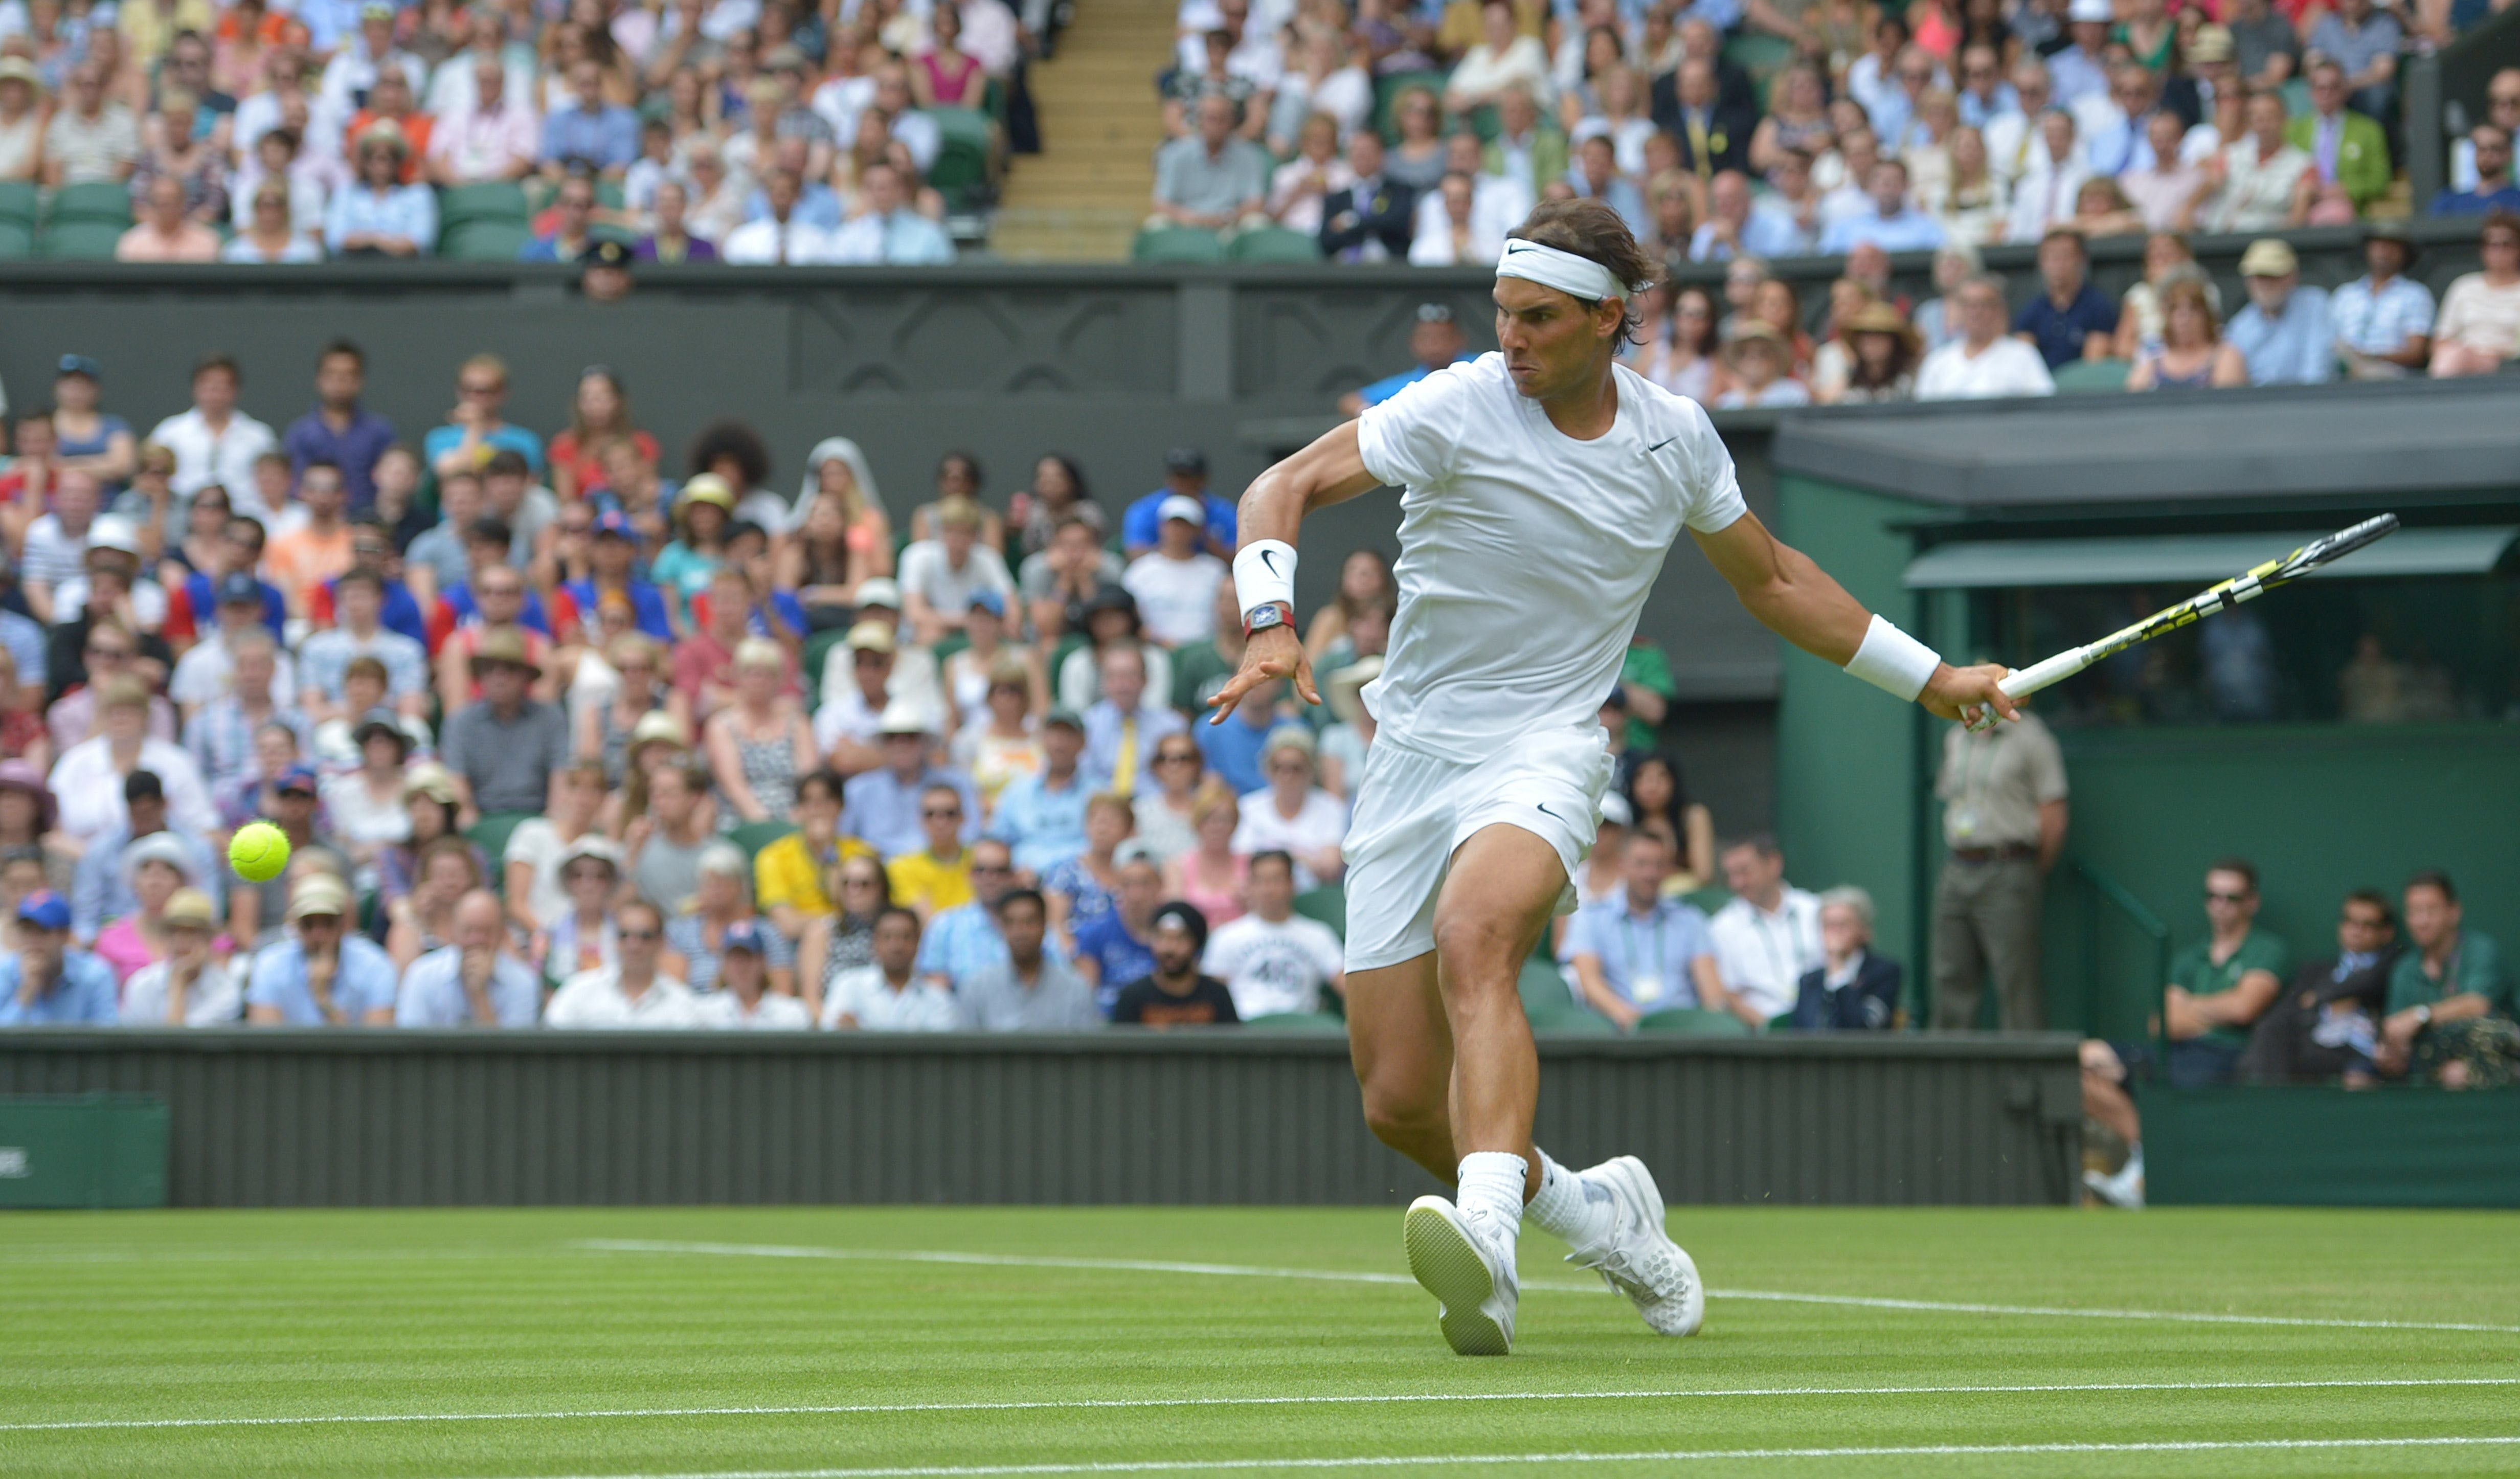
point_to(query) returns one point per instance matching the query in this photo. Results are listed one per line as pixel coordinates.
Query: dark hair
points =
(1762, 843)
(970, 462)
(2435, 879)
(1277, 855)
(2377, 900)
(1676, 814)
(2247, 870)
(741, 529)
(1189, 917)
(326, 462)
(219, 360)
(508, 462)
(737, 440)
(340, 346)
(1031, 896)
(1593, 230)
(828, 781)
(359, 575)
(490, 529)
(244, 522)
(143, 786)
(895, 910)
(1075, 473)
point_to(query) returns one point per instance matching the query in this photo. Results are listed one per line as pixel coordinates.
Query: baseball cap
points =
(188, 906)
(239, 588)
(988, 599)
(79, 364)
(45, 910)
(2098, 11)
(297, 777)
(882, 591)
(903, 716)
(381, 721)
(595, 845)
(434, 782)
(709, 488)
(2268, 256)
(112, 531)
(318, 894)
(871, 636)
(1185, 459)
(743, 934)
(1066, 717)
(1183, 506)
(2211, 43)
(606, 253)
(613, 523)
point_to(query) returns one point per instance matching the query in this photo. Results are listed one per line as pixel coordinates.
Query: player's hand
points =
(1968, 694)
(1272, 653)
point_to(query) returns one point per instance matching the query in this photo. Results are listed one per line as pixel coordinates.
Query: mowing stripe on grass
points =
(1664, 1456)
(1334, 1275)
(1097, 1404)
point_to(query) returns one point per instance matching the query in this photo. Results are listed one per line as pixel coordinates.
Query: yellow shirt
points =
(787, 873)
(920, 882)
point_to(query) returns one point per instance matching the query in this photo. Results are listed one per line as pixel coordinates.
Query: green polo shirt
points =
(2193, 971)
(2475, 966)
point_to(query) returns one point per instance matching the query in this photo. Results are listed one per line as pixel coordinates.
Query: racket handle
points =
(2037, 676)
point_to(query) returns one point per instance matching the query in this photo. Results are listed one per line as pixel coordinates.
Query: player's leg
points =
(1402, 1048)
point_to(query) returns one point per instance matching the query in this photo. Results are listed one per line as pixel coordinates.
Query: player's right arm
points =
(1330, 471)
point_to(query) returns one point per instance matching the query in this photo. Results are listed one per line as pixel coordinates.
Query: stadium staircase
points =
(1083, 198)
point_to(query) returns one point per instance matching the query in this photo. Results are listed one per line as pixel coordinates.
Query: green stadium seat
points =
(1298, 1021)
(19, 202)
(1544, 989)
(17, 241)
(102, 200)
(1694, 1021)
(1712, 897)
(818, 655)
(484, 242)
(490, 832)
(2092, 376)
(753, 836)
(81, 241)
(1274, 243)
(947, 646)
(1327, 904)
(963, 147)
(1386, 94)
(1572, 1021)
(1762, 56)
(500, 201)
(1175, 244)
(609, 196)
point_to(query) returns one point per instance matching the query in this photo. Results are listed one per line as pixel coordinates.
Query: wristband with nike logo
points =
(1264, 573)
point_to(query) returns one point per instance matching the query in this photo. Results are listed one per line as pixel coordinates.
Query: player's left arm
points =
(1796, 600)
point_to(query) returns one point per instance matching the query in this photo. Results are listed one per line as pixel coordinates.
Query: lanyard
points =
(1786, 975)
(1628, 938)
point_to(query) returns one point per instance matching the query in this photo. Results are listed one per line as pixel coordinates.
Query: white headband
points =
(1564, 271)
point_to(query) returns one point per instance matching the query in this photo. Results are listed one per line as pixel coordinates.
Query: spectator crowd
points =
(674, 131)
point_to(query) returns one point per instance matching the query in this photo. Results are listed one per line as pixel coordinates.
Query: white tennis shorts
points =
(1414, 810)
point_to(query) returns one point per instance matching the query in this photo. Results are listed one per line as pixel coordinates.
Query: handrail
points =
(2146, 922)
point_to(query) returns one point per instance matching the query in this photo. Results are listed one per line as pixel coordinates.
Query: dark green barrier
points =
(83, 1150)
(2326, 1147)
(274, 1117)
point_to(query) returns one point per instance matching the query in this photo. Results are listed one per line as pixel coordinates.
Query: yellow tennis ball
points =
(259, 852)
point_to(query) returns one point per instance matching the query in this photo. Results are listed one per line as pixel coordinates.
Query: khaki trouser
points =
(1986, 921)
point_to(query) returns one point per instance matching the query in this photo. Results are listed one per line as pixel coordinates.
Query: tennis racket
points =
(2219, 597)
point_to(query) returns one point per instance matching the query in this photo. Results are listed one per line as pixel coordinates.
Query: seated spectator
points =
(190, 986)
(722, 903)
(530, 872)
(1293, 813)
(1768, 936)
(582, 937)
(1853, 989)
(154, 868)
(1184, 473)
(322, 974)
(88, 779)
(1211, 179)
(2260, 181)
(1298, 188)
(2383, 319)
(884, 804)
(1885, 352)
(940, 576)
(2044, 197)
(848, 727)
(423, 919)
(1596, 176)
(102, 887)
(2348, 150)
(1982, 361)
(787, 874)
(1639, 950)
(1084, 888)
(748, 999)
(962, 941)
(1373, 219)
(999, 742)
(1175, 584)
(358, 631)
(2502, 109)
(166, 231)
(843, 940)
(1122, 730)
(1211, 872)
(504, 750)
(1042, 816)
(207, 670)
(1448, 231)
(474, 979)
(1434, 342)
(2479, 327)
(496, 137)
(1032, 989)
(939, 876)
(2487, 146)
(44, 982)
(1502, 61)
(1175, 994)
(592, 133)
(2166, 192)
(896, 992)
(632, 993)
(1890, 222)
(786, 235)
(758, 743)
(2324, 1028)
(2192, 354)
(2216, 990)
(1760, 363)
(572, 237)
(887, 229)
(665, 853)
(1275, 963)
(220, 734)
(376, 214)
(2071, 320)
(2283, 332)
(2449, 998)
(1113, 949)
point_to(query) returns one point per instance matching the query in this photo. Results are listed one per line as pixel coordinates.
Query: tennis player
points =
(1543, 487)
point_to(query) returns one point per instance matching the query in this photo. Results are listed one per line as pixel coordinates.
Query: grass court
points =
(953, 1341)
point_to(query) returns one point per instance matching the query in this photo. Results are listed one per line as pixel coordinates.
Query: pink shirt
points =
(193, 243)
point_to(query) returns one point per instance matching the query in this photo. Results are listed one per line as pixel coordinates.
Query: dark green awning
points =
(2196, 558)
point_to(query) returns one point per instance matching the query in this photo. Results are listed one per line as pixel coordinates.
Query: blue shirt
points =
(1770, 232)
(1390, 386)
(1103, 726)
(354, 449)
(1143, 526)
(904, 239)
(100, 894)
(884, 811)
(1044, 823)
(2294, 350)
(1232, 750)
(2380, 322)
(1620, 194)
(364, 982)
(1121, 957)
(84, 996)
(1645, 960)
(962, 941)
(2475, 202)
(646, 607)
(1908, 231)
(818, 205)
(407, 211)
(607, 138)
(433, 992)
(203, 598)
(24, 636)
(2059, 331)
(508, 437)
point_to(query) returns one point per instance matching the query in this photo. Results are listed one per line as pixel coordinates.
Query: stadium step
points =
(1082, 199)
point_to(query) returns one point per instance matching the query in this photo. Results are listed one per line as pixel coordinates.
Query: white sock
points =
(1491, 1191)
(1571, 1209)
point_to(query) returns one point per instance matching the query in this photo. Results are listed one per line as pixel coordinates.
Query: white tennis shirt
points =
(1525, 554)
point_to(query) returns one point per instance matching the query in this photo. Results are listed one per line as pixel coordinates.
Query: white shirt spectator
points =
(725, 1012)
(865, 995)
(477, 146)
(216, 999)
(840, 101)
(351, 72)
(1176, 598)
(90, 789)
(1498, 205)
(55, 556)
(2042, 198)
(593, 998)
(224, 457)
(1273, 969)
(2257, 194)
(207, 670)
(926, 569)
(1762, 955)
(1484, 73)
(1321, 822)
(536, 843)
(2006, 367)
(148, 603)
(765, 242)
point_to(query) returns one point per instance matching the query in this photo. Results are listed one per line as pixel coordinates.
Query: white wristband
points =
(1264, 570)
(1893, 662)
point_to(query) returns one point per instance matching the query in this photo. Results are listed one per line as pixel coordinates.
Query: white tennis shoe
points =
(1640, 1260)
(1471, 1278)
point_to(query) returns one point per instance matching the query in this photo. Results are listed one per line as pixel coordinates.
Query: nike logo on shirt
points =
(1659, 446)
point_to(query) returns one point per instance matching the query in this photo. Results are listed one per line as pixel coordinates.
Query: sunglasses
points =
(2214, 897)
(109, 651)
(942, 814)
(991, 868)
(860, 883)
(640, 934)
(1176, 759)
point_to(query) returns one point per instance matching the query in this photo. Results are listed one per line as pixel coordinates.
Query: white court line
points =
(1241, 1271)
(1097, 1404)
(1666, 1456)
